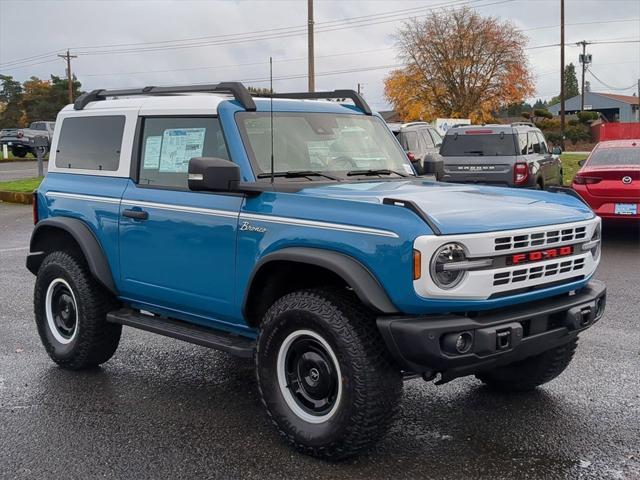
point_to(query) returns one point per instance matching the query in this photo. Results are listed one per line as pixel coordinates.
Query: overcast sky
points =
(40, 29)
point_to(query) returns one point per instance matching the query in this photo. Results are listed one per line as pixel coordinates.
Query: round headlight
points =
(448, 253)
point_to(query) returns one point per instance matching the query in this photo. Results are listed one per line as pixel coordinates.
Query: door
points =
(177, 247)
(553, 165)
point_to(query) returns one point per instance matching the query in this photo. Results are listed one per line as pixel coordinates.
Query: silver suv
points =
(513, 155)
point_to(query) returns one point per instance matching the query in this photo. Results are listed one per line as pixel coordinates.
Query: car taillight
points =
(20, 134)
(584, 180)
(35, 207)
(411, 156)
(520, 173)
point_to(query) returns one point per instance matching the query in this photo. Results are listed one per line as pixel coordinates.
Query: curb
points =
(16, 197)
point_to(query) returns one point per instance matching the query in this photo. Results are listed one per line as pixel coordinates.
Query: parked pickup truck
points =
(257, 227)
(23, 140)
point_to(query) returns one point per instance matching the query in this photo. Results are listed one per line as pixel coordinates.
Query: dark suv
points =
(422, 143)
(513, 155)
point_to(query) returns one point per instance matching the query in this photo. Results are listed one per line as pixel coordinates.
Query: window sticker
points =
(152, 152)
(179, 145)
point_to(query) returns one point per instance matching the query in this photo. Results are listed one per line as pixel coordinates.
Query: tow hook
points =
(581, 316)
(503, 339)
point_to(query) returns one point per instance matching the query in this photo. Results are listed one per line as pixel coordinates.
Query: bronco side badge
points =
(247, 227)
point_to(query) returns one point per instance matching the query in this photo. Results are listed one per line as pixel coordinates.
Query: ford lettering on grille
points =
(539, 255)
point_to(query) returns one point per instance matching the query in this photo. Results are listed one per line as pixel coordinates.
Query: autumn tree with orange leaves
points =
(458, 65)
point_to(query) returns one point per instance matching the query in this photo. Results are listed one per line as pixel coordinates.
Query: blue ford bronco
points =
(294, 231)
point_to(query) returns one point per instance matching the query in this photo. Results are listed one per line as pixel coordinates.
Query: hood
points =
(456, 208)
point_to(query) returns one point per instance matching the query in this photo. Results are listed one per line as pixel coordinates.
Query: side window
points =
(169, 143)
(437, 138)
(411, 142)
(523, 143)
(90, 143)
(535, 143)
(427, 138)
(543, 144)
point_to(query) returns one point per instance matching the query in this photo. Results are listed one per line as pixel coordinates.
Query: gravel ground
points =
(165, 409)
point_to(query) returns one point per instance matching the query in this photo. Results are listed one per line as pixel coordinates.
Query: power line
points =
(609, 86)
(282, 32)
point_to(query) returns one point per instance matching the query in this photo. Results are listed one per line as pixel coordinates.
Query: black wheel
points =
(531, 372)
(70, 309)
(324, 373)
(19, 152)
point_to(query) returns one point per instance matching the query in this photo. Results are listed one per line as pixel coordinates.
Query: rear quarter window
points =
(90, 143)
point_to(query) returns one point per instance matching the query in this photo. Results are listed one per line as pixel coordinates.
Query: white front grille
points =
(549, 270)
(482, 284)
(541, 238)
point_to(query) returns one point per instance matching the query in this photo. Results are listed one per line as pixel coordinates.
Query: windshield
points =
(478, 145)
(615, 156)
(339, 145)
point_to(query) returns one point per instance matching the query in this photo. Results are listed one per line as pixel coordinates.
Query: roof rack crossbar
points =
(351, 94)
(237, 89)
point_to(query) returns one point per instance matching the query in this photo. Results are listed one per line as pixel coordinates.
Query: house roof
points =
(621, 98)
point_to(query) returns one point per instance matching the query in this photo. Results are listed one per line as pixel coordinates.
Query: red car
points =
(609, 179)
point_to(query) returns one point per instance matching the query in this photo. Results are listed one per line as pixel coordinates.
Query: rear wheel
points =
(531, 372)
(70, 309)
(324, 373)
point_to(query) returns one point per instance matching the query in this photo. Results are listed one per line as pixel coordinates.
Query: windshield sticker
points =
(152, 152)
(180, 145)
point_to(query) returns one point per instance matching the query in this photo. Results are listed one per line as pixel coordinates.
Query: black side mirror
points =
(556, 151)
(581, 162)
(213, 174)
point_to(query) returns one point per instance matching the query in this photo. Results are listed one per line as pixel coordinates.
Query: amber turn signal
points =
(417, 265)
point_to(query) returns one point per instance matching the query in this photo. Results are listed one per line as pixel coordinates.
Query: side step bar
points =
(206, 337)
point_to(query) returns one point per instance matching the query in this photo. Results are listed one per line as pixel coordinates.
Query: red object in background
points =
(615, 131)
(609, 180)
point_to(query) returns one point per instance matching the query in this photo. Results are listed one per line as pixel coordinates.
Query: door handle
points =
(136, 214)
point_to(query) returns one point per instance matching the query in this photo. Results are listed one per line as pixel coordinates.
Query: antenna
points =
(271, 111)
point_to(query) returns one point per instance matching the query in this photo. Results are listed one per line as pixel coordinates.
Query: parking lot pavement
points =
(17, 170)
(165, 409)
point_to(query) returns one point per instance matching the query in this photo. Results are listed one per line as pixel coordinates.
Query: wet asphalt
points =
(165, 409)
(18, 170)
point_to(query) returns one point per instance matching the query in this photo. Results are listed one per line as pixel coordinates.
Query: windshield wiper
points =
(298, 174)
(380, 171)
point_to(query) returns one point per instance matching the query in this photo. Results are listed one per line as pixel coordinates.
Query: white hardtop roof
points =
(176, 104)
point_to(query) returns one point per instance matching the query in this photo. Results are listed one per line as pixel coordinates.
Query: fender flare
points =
(84, 237)
(357, 276)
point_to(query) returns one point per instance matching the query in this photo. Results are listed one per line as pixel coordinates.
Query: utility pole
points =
(639, 100)
(68, 57)
(585, 60)
(358, 89)
(311, 59)
(562, 74)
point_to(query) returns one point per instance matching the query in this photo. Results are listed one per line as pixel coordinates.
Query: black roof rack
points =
(237, 89)
(353, 95)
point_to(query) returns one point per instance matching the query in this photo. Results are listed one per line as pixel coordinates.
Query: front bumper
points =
(498, 337)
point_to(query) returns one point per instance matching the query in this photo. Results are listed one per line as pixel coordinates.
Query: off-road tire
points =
(96, 340)
(19, 152)
(371, 381)
(532, 372)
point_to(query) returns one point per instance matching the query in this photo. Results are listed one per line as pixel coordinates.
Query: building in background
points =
(616, 108)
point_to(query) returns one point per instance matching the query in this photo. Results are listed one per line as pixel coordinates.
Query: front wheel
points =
(324, 373)
(19, 152)
(530, 372)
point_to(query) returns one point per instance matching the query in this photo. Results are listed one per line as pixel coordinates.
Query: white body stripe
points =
(298, 222)
(181, 208)
(78, 196)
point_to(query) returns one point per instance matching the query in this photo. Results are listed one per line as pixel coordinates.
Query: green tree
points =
(10, 102)
(571, 88)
